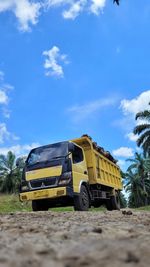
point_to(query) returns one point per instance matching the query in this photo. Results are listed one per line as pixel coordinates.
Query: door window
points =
(77, 155)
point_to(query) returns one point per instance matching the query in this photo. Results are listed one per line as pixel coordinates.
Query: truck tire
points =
(108, 204)
(82, 201)
(96, 204)
(39, 205)
(113, 203)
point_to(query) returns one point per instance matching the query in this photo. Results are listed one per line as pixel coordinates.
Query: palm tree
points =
(147, 167)
(9, 174)
(143, 130)
(141, 166)
(134, 188)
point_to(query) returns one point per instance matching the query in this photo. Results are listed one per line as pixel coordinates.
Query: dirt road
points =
(72, 239)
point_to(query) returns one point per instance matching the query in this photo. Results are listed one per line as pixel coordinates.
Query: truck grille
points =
(42, 183)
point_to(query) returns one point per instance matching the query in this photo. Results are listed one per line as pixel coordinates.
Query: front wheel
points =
(39, 205)
(82, 201)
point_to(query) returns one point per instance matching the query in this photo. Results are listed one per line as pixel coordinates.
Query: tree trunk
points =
(144, 189)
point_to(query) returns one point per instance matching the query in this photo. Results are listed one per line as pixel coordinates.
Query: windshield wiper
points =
(59, 157)
(31, 164)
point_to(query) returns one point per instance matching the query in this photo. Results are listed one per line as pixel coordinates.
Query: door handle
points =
(85, 172)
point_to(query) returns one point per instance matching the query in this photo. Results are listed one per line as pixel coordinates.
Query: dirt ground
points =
(72, 239)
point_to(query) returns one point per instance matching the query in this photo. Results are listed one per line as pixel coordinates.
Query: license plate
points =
(41, 193)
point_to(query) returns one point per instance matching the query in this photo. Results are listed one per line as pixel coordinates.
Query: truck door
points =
(79, 168)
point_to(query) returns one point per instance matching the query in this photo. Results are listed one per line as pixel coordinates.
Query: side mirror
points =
(71, 147)
(17, 162)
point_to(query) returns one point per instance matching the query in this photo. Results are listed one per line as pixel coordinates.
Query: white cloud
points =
(6, 112)
(26, 11)
(135, 105)
(130, 108)
(3, 97)
(18, 150)
(4, 134)
(123, 152)
(57, 3)
(80, 112)
(121, 163)
(132, 137)
(75, 9)
(97, 6)
(52, 62)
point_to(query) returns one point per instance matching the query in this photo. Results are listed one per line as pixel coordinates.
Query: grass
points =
(146, 208)
(11, 203)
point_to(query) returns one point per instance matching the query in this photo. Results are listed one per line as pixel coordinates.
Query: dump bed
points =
(101, 170)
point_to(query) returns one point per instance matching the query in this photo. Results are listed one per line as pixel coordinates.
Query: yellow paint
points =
(100, 169)
(78, 174)
(41, 173)
(43, 194)
(94, 169)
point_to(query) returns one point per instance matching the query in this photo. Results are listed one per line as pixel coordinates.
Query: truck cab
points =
(53, 175)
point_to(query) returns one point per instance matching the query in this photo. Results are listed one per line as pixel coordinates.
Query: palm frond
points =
(10, 159)
(141, 128)
(146, 146)
(143, 115)
(142, 139)
(132, 167)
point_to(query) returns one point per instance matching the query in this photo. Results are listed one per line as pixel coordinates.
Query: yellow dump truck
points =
(76, 172)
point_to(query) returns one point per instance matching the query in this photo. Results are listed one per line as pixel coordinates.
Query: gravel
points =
(74, 239)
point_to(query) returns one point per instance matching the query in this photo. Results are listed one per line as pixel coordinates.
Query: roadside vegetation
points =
(11, 203)
(136, 179)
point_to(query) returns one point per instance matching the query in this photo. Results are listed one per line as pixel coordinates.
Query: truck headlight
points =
(65, 178)
(24, 188)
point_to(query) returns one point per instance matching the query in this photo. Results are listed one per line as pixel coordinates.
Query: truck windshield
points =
(47, 153)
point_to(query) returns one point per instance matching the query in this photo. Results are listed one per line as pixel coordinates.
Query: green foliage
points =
(137, 181)
(143, 130)
(138, 173)
(11, 203)
(123, 200)
(10, 175)
(145, 208)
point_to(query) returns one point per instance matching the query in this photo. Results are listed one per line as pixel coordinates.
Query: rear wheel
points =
(39, 205)
(96, 204)
(82, 201)
(113, 203)
(108, 204)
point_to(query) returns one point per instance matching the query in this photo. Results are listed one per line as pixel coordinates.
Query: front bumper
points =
(44, 194)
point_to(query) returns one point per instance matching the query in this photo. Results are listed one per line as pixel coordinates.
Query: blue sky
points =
(73, 67)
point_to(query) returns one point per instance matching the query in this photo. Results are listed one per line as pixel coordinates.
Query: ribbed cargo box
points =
(101, 170)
